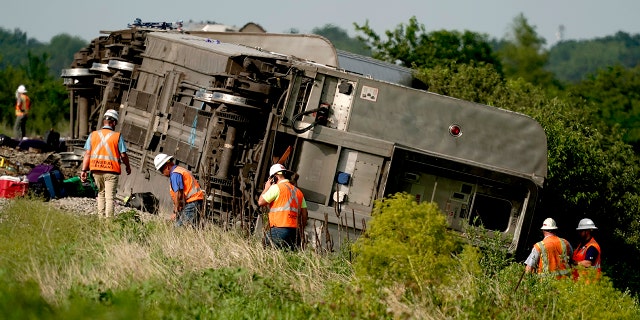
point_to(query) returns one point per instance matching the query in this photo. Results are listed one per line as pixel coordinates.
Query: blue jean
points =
(189, 214)
(282, 238)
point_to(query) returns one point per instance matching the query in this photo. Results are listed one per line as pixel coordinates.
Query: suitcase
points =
(53, 184)
(74, 187)
(11, 187)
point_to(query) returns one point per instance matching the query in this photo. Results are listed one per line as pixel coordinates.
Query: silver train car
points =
(229, 105)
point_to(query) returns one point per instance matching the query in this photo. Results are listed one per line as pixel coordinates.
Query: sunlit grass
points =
(57, 265)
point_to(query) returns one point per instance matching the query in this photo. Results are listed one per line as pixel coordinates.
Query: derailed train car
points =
(229, 106)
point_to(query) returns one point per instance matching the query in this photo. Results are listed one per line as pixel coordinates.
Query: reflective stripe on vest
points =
(105, 155)
(580, 254)
(192, 191)
(283, 212)
(26, 107)
(554, 256)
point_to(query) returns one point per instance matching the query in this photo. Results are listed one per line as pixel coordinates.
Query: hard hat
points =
(276, 168)
(586, 224)
(160, 160)
(22, 89)
(549, 224)
(111, 115)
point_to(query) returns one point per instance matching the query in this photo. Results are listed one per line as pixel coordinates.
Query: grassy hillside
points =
(57, 265)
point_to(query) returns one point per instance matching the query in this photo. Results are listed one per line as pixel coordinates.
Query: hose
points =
(322, 114)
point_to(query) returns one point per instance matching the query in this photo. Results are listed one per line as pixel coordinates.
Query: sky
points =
(585, 19)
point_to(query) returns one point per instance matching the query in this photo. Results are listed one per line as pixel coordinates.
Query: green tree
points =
(61, 50)
(523, 54)
(574, 60)
(411, 46)
(341, 40)
(616, 92)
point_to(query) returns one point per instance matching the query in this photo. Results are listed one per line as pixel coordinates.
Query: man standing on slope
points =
(23, 106)
(105, 151)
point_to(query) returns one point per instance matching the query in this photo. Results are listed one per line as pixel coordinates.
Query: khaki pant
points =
(107, 184)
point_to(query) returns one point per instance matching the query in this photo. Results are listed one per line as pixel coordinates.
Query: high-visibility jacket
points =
(285, 209)
(105, 155)
(192, 191)
(24, 107)
(580, 254)
(554, 256)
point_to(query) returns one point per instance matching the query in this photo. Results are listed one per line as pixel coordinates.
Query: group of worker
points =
(554, 256)
(106, 151)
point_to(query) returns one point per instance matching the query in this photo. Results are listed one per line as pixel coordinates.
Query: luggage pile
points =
(36, 167)
(48, 182)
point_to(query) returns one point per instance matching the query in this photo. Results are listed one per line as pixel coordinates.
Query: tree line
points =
(589, 111)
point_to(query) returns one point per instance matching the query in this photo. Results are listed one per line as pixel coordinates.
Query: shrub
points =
(405, 243)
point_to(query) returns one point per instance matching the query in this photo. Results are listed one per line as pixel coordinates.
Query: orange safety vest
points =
(554, 256)
(105, 155)
(21, 109)
(580, 254)
(285, 209)
(192, 191)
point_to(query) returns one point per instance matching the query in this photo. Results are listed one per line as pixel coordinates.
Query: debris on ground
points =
(18, 162)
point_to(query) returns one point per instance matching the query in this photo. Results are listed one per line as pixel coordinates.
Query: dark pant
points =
(20, 127)
(282, 238)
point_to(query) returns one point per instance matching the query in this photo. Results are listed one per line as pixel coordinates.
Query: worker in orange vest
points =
(23, 106)
(287, 209)
(587, 254)
(105, 150)
(187, 196)
(551, 256)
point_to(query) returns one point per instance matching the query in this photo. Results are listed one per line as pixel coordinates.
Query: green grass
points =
(56, 265)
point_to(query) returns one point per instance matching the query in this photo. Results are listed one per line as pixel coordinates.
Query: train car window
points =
(490, 212)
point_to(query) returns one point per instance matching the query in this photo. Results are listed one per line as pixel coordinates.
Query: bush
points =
(405, 243)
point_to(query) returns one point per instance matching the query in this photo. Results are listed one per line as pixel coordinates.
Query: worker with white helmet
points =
(23, 107)
(287, 209)
(587, 252)
(187, 196)
(551, 256)
(105, 151)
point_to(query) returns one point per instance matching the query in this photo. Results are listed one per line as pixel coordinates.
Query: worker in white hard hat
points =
(551, 256)
(23, 107)
(587, 254)
(287, 209)
(105, 151)
(187, 196)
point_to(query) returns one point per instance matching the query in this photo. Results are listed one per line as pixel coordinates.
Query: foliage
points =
(523, 54)
(573, 61)
(396, 249)
(341, 40)
(412, 46)
(16, 46)
(616, 92)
